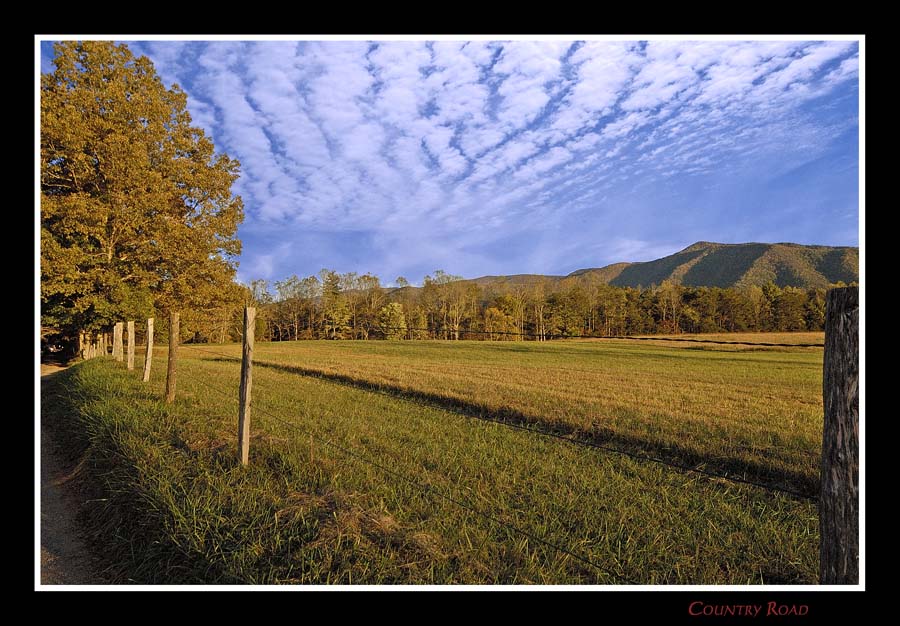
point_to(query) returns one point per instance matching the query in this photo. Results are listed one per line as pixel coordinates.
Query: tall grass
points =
(171, 505)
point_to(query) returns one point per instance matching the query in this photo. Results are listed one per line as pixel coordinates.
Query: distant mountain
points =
(706, 264)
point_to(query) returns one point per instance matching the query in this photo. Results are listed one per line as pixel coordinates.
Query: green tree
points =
(136, 208)
(372, 297)
(310, 292)
(789, 309)
(756, 306)
(771, 293)
(441, 299)
(417, 321)
(290, 291)
(391, 321)
(815, 309)
(335, 312)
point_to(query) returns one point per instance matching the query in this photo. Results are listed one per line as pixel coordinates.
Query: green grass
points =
(742, 411)
(172, 506)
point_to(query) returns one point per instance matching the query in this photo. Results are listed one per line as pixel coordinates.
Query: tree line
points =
(138, 219)
(331, 305)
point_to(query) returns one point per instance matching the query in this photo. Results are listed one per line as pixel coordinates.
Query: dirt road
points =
(65, 560)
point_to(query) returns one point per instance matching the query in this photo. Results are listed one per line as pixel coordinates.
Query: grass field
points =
(751, 413)
(750, 338)
(347, 485)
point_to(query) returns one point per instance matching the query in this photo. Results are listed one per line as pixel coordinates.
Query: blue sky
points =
(505, 157)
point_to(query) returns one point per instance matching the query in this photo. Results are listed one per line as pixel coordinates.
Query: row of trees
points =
(138, 218)
(352, 306)
(137, 214)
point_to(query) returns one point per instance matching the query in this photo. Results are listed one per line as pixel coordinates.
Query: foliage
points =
(349, 306)
(137, 213)
(391, 322)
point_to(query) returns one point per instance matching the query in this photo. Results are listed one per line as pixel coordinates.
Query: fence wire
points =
(536, 431)
(424, 488)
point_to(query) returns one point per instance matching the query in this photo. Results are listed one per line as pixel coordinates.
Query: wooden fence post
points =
(148, 356)
(131, 344)
(174, 319)
(81, 344)
(839, 496)
(246, 385)
(117, 342)
(102, 344)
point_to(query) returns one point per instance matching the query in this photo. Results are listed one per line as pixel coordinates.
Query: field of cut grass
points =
(749, 338)
(751, 414)
(347, 485)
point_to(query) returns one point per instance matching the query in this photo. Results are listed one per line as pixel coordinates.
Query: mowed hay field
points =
(799, 339)
(390, 462)
(749, 412)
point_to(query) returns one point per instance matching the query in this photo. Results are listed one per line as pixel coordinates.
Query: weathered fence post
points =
(131, 344)
(148, 356)
(246, 385)
(839, 496)
(81, 344)
(174, 319)
(102, 344)
(117, 342)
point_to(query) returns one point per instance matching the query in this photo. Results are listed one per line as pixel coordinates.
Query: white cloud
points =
(438, 137)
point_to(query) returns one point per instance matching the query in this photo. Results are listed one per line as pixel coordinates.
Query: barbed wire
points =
(401, 395)
(222, 354)
(424, 488)
(321, 373)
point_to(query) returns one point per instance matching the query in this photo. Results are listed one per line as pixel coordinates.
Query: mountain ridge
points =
(712, 264)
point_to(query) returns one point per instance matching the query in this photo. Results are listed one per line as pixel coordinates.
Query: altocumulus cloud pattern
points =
(489, 157)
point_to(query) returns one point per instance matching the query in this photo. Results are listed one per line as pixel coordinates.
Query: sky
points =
(504, 157)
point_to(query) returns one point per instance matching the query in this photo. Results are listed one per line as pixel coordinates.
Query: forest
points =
(333, 305)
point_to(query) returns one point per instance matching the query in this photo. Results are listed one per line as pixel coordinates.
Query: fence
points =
(838, 498)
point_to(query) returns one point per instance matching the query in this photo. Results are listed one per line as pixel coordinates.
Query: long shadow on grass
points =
(167, 502)
(735, 469)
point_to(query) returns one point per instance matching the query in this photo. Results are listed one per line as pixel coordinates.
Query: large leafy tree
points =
(137, 211)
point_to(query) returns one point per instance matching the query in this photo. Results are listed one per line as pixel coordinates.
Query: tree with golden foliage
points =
(137, 213)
